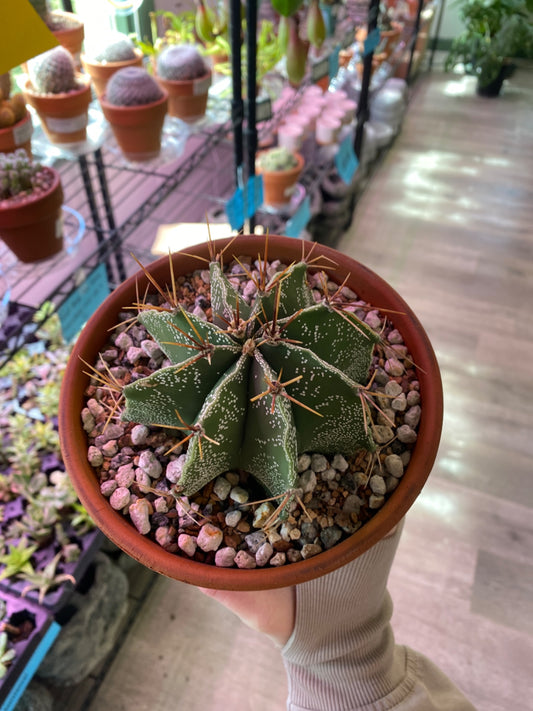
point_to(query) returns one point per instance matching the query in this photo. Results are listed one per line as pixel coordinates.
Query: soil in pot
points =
(339, 505)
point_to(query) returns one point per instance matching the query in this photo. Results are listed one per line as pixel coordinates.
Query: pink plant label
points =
(23, 133)
(201, 86)
(67, 125)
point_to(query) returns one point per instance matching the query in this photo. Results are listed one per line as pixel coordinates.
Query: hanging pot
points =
(278, 185)
(370, 287)
(33, 228)
(101, 72)
(137, 129)
(64, 117)
(187, 98)
(17, 136)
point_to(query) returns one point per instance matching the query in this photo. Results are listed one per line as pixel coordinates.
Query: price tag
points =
(372, 41)
(235, 210)
(83, 302)
(299, 220)
(320, 69)
(334, 62)
(346, 160)
(263, 109)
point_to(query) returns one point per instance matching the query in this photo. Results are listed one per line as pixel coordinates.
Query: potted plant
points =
(183, 73)
(31, 198)
(59, 95)
(66, 26)
(246, 393)
(107, 57)
(280, 169)
(494, 34)
(16, 127)
(135, 106)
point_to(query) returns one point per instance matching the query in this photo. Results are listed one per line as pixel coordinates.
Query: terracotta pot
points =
(187, 99)
(278, 185)
(33, 229)
(101, 72)
(64, 117)
(74, 445)
(17, 136)
(137, 129)
(71, 38)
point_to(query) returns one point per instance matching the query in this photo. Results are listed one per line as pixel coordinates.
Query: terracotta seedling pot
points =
(137, 129)
(278, 185)
(370, 287)
(101, 72)
(33, 228)
(187, 99)
(71, 38)
(17, 136)
(64, 116)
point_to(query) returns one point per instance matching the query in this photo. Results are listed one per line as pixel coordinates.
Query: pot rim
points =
(74, 444)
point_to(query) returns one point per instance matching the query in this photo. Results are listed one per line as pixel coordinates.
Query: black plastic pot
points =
(493, 89)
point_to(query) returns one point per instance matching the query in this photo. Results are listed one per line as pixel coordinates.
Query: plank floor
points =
(447, 221)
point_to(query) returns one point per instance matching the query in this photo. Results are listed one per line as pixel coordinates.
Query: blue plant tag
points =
(346, 160)
(235, 210)
(334, 62)
(254, 192)
(372, 41)
(299, 220)
(83, 302)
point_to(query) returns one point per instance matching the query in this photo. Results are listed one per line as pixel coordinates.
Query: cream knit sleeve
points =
(341, 655)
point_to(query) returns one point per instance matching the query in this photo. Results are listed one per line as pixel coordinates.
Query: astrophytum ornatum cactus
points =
(261, 383)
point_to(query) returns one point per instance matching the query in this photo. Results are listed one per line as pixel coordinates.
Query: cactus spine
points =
(261, 383)
(180, 63)
(53, 72)
(132, 86)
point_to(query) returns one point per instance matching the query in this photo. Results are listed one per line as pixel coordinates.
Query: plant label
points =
(346, 160)
(83, 302)
(299, 220)
(320, 69)
(235, 210)
(263, 109)
(372, 41)
(334, 62)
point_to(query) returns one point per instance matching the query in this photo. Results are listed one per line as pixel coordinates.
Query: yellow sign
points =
(24, 34)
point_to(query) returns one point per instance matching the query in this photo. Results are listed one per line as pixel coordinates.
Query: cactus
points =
(181, 62)
(259, 384)
(277, 159)
(53, 72)
(117, 48)
(19, 175)
(132, 86)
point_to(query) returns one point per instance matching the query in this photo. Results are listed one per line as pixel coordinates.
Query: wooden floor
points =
(447, 220)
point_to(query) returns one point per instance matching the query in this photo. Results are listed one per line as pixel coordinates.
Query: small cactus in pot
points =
(60, 95)
(106, 57)
(66, 26)
(183, 72)
(15, 122)
(135, 106)
(280, 169)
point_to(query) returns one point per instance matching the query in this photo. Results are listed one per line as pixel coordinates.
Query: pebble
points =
(174, 468)
(160, 504)
(294, 555)
(142, 478)
(304, 462)
(239, 495)
(377, 484)
(412, 416)
(221, 488)
(139, 512)
(395, 336)
(375, 501)
(262, 514)
(382, 434)
(406, 434)
(150, 464)
(399, 404)
(187, 544)
(124, 341)
(255, 540)
(278, 559)
(307, 481)
(263, 554)
(112, 431)
(125, 475)
(413, 398)
(373, 320)
(352, 504)
(108, 487)
(393, 388)
(163, 536)
(245, 560)
(232, 518)
(394, 465)
(339, 463)
(95, 408)
(330, 536)
(210, 537)
(134, 355)
(328, 475)
(139, 434)
(95, 456)
(394, 367)
(151, 349)
(319, 463)
(88, 421)
(225, 557)
(109, 449)
(310, 549)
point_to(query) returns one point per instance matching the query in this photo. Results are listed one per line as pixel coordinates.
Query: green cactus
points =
(265, 381)
(53, 72)
(181, 62)
(277, 159)
(18, 174)
(117, 48)
(132, 86)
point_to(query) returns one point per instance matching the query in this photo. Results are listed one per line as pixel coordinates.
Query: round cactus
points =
(277, 159)
(53, 72)
(181, 62)
(18, 174)
(116, 47)
(132, 86)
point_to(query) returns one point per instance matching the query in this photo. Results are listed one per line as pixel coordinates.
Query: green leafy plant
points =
(20, 175)
(7, 654)
(17, 559)
(277, 159)
(495, 32)
(46, 579)
(262, 383)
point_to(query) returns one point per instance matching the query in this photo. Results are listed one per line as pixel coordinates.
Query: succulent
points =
(20, 175)
(116, 48)
(53, 72)
(12, 110)
(259, 384)
(132, 86)
(277, 159)
(181, 62)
